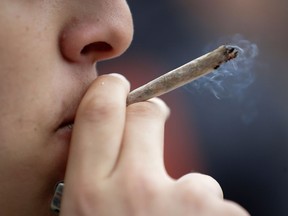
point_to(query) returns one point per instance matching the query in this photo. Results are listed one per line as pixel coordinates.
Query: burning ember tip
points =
(232, 51)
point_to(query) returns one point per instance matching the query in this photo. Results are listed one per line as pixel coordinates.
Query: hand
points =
(115, 164)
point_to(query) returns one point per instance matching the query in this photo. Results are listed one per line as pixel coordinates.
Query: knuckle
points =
(206, 182)
(234, 209)
(192, 194)
(195, 189)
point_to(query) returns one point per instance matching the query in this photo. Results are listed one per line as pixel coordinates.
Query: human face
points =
(48, 52)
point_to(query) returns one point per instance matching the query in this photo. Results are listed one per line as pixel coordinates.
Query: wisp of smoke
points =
(231, 79)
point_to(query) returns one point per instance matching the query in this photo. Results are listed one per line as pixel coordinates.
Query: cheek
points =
(28, 150)
(30, 165)
(24, 147)
(30, 91)
(29, 102)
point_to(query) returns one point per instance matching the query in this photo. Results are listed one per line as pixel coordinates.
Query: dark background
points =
(242, 143)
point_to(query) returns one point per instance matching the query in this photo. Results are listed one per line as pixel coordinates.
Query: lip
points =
(65, 113)
(64, 132)
(65, 116)
(64, 128)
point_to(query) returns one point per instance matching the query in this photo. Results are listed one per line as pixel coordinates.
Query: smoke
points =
(233, 78)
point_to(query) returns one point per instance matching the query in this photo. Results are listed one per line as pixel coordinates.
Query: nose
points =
(97, 33)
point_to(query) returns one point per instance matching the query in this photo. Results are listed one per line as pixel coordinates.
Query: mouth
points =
(66, 125)
(65, 118)
(64, 130)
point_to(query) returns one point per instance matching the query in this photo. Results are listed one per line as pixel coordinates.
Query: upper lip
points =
(69, 105)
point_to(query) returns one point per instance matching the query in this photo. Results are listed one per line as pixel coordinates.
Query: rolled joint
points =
(184, 74)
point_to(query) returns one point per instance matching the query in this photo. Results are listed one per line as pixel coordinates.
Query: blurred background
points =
(242, 143)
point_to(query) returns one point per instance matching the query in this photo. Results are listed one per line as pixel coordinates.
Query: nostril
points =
(96, 47)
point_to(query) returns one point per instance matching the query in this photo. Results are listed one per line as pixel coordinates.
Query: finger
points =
(200, 183)
(144, 136)
(98, 130)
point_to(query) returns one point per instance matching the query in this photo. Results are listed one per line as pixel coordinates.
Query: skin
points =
(48, 53)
